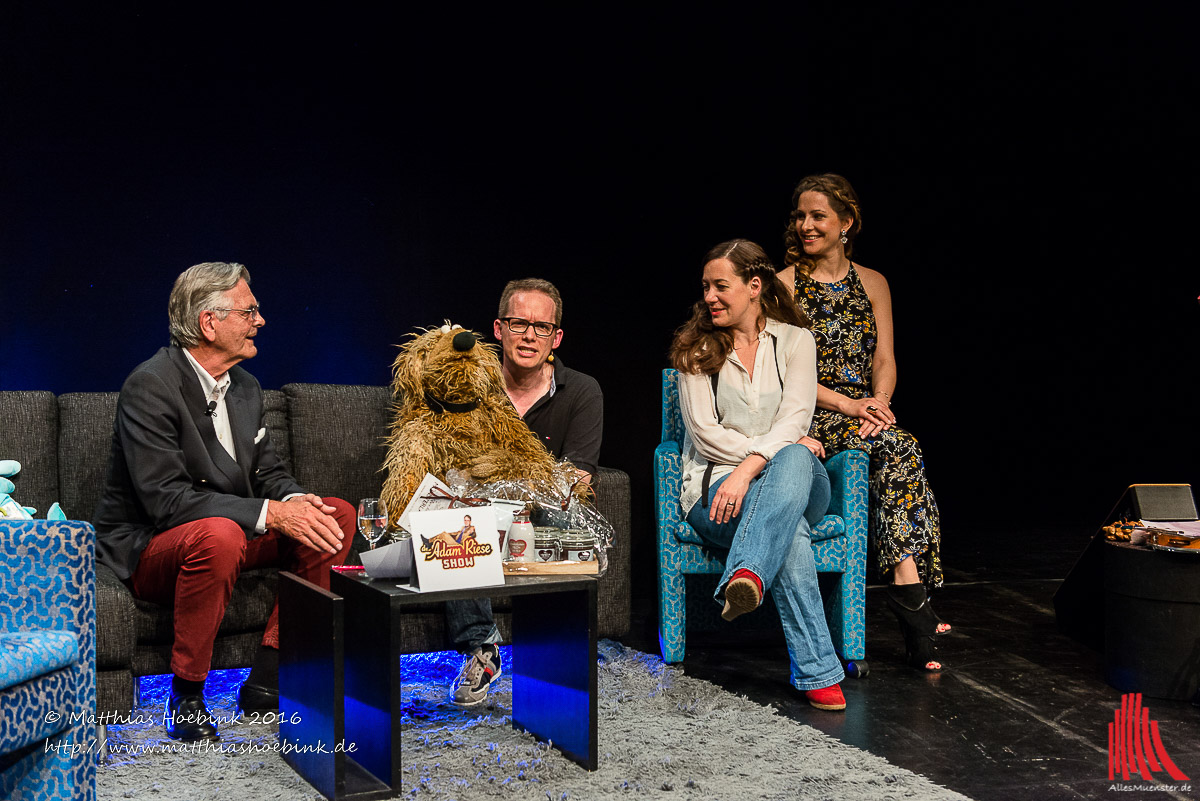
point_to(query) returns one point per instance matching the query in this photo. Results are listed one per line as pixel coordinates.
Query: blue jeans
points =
(772, 537)
(469, 624)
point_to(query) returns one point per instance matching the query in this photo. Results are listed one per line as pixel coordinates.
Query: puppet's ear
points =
(406, 370)
(490, 362)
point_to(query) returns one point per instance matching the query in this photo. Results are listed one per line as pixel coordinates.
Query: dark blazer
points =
(166, 467)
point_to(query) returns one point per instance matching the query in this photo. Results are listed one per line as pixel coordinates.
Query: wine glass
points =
(372, 520)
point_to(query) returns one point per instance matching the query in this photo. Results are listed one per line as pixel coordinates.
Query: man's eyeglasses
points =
(520, 326)
(249, 313)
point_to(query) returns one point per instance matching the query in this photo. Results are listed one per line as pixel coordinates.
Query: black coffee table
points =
(340, 673)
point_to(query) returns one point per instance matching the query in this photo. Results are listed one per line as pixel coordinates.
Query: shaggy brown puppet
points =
(452, 412)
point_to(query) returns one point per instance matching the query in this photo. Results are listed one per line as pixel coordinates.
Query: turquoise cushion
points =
(830, 526)
(25, 655)
(37, 709)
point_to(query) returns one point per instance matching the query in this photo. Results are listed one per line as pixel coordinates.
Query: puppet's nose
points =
(464, 341)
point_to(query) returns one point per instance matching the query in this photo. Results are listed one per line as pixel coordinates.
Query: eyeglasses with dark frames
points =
(517, 325)
(249, 313)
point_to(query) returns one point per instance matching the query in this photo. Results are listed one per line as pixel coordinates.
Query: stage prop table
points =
(1151, 617)
(340, 673)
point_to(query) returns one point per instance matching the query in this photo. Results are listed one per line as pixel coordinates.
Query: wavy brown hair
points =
(844, 202)
(700, 346)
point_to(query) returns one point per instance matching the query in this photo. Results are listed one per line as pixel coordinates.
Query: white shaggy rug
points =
(662, 735)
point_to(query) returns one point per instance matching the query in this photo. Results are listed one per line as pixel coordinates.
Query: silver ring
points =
(731, 503)
(872, 409)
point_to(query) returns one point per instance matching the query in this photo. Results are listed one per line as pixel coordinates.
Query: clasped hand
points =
(873, 414)
(306, 519)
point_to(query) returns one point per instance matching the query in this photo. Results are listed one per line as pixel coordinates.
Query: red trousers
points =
(193, 568)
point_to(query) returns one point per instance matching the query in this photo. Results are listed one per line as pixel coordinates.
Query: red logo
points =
(1134, 744)
(453, 554)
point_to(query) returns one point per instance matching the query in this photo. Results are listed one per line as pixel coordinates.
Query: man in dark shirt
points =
(565, 409)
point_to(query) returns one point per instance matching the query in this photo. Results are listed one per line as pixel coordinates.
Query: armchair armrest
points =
(48, 584)
(668, 476)
(848, 484)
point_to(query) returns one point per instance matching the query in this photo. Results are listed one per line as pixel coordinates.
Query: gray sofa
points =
(331, 437)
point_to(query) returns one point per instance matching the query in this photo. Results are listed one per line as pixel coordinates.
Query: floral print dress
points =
(904, 515)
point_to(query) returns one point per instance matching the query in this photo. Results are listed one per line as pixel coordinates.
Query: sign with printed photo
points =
(456, 549)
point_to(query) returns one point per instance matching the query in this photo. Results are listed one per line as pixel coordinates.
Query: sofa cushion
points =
(86, 422)
(29, 434)
(275, 421)
(249, 607)
(116, 621)
(24, 655)
(337, 433)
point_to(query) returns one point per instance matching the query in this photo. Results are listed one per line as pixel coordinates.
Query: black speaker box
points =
(1155, 502)
(1079, 602)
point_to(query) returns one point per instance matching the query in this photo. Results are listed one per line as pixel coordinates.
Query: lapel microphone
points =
(211, 411)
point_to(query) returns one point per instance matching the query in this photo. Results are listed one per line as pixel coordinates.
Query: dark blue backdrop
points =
(1024, 175)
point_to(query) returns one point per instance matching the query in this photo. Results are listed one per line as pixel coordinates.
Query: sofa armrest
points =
(613, 501)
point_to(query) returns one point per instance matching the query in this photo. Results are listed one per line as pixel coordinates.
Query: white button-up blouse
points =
(759, 415)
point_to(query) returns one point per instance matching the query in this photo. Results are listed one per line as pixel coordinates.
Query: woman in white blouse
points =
(748, 388)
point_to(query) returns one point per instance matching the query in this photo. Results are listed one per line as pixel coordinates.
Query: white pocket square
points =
(262, 432)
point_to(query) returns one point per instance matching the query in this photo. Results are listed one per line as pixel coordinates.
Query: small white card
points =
(390, 561)
(421, 503)
(456, 549)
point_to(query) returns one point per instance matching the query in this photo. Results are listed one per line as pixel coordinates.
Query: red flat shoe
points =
(829, 698)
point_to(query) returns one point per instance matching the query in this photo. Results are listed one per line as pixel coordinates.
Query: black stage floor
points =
(1020, 711)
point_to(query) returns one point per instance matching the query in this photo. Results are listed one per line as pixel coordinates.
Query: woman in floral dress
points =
(851, 313)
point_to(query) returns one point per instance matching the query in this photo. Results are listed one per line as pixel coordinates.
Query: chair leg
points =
(101, 743)
(672, 615)
(837, 615)
(852, 592)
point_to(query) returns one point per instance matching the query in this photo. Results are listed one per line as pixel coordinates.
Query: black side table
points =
(1151, 621)
(340, 674)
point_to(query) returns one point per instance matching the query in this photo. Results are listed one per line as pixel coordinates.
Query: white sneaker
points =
(478, 672)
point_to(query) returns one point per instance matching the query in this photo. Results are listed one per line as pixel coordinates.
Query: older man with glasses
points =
(195, 492)
(565, 409)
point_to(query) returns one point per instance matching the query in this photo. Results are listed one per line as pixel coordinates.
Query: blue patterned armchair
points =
(839, 543)
(47, 661)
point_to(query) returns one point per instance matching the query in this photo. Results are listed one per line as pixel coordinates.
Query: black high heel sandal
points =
(918, 650)
(918, 624)
(910, 604)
